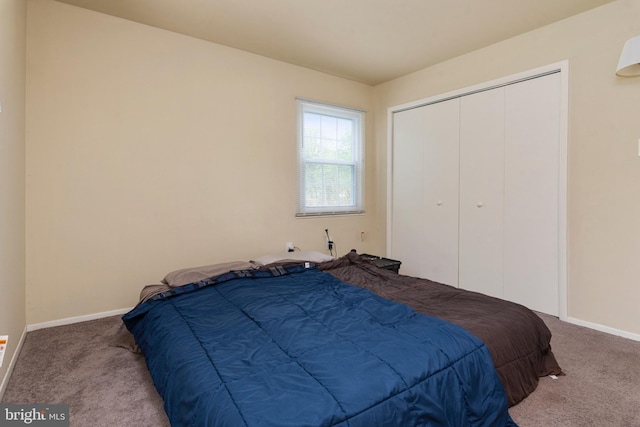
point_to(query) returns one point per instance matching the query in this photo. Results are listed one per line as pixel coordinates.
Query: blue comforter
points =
(297, 347)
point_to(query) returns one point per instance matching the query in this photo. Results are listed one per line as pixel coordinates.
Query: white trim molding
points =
(603, 328)
(78, 319)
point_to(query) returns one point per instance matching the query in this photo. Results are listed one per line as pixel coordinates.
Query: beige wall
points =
(13, 19)
(603, 162)
(149, 151)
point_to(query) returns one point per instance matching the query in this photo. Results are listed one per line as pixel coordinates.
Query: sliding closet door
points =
(407, 232)
(481, 192)
(531, 214)
(425, 191)
(476, 192)
(441, 181)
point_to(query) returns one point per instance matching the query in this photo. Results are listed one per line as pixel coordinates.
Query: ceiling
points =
(370, 41)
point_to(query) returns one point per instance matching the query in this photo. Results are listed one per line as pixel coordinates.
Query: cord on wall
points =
(329, 242)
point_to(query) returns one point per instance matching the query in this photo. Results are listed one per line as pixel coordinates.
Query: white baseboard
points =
(603, 328)
(78, 319)
(12, 363)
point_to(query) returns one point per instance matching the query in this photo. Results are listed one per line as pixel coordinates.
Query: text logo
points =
(34, 415)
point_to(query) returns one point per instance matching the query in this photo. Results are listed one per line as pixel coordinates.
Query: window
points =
(330, 159)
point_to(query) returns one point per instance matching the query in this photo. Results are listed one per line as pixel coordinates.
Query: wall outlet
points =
(3, 346)
(329, 243)
(289, 247)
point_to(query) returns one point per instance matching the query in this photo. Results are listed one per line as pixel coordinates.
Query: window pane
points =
(314, 188)
(328, 151)
(312, 136)
(329, 185)
(312, 124)
(345, 140)
(329, 127)
(328, 138)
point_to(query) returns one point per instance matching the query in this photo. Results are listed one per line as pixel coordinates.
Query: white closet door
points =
(481, 192)
(424, 233)
(407, 232)
(441, 182)
(531, 221)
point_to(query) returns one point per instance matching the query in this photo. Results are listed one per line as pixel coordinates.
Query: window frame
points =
(358, 118)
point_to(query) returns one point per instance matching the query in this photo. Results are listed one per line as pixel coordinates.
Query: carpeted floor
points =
(601, 386)
(109, 386)
(75, 365)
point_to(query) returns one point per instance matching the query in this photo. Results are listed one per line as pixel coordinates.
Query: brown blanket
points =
(518, 340)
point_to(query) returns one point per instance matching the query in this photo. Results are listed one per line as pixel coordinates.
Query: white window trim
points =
(305, 105)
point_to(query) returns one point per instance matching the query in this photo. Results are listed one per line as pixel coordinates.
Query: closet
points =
(475, 197)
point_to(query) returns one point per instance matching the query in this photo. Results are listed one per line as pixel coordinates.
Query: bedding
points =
(296, 346)
(518, 340)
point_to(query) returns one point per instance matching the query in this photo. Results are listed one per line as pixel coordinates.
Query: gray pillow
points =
(195, 274)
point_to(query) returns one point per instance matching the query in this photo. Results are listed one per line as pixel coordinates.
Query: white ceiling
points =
(371, 41)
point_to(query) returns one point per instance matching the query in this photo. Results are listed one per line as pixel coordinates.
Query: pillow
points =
(195, 274)
(311, 256)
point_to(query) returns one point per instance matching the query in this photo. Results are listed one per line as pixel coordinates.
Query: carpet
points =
(110, 386)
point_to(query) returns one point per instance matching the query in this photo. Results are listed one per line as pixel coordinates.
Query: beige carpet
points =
(601, 386)
(75, 365)
(109, 386)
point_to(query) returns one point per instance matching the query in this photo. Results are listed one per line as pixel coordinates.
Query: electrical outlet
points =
(329, 243)
(289, 247)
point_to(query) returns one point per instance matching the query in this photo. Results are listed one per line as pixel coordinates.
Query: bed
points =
(339, 343)
(518, 339)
